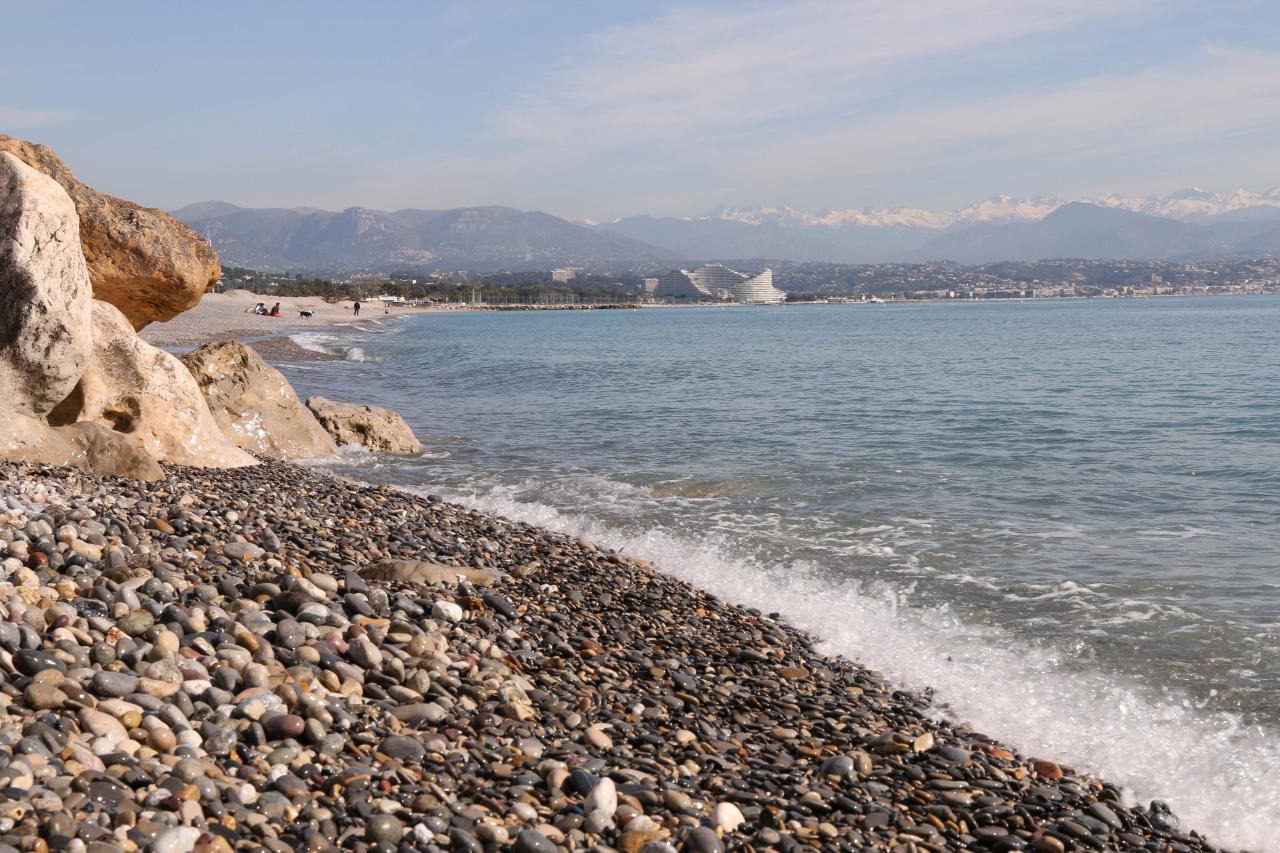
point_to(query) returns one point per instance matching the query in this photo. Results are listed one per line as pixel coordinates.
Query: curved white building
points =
(680, 285)
(718, 282)
(758, 290)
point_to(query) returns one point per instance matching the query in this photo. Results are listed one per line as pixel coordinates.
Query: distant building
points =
(564, 274)
(717, 282)
(650, 286)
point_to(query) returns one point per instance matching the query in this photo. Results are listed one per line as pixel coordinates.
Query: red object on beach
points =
(275, 314)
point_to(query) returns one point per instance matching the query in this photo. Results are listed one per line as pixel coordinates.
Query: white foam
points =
(312, 341)
(1218, 774)
(358, 354)
(334, 345)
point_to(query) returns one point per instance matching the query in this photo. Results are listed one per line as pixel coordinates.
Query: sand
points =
(227, 316)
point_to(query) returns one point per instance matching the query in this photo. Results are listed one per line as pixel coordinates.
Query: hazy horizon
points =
(595, 111)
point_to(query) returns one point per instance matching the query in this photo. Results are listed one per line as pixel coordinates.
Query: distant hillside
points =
(1080, 230)
(1072, 230)
(489, 239)
(476, 238)
(715, 238)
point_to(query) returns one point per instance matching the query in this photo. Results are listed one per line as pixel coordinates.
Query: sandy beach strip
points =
(228, 316)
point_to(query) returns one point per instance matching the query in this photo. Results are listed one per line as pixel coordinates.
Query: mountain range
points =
(1187, 224)
(359, 239)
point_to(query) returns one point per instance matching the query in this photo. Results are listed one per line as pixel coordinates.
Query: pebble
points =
(220, 661)
(703, 839)
(113, 684)
(727, 817)
(603, 797)
(596, 736)
(136, 623)
(403, 748)
(283, 726)
(532, 841)
(180, 839)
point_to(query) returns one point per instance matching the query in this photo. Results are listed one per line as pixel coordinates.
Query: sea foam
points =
(1217, 773)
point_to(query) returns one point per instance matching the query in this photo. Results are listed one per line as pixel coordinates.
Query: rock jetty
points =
(267, 658)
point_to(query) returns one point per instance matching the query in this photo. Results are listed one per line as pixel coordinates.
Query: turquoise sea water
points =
(1062, 516)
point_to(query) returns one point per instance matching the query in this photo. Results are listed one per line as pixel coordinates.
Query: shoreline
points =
(291, 353)
(226, 316)
(592, 697)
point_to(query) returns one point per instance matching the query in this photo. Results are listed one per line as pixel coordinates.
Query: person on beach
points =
(355, 306)
(260, 308)
(275, 310)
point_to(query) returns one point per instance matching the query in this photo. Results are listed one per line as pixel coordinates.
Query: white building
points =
(564, 274)
(718, 282)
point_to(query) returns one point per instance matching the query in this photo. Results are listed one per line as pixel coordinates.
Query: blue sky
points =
(602, 109)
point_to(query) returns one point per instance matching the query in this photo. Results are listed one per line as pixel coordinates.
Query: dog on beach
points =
(305, 314)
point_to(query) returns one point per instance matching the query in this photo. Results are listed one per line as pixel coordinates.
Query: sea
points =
(1060, 517)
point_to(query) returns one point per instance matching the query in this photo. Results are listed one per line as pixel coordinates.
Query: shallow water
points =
(1060, 515)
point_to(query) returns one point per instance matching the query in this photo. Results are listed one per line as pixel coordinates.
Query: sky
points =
(604, 109)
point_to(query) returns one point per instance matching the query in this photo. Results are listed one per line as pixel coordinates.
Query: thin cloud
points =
(698, 72)
(1215, 94)
(803, 104)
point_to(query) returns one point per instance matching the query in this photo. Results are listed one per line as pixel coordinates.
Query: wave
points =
(338, 345)
(1216, 771)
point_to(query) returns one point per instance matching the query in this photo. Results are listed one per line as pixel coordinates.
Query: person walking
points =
(356, 307)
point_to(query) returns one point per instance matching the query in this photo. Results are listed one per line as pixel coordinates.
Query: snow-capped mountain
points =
(1189, 204)
(1194, 203)
(997, 208)
(1187, 222)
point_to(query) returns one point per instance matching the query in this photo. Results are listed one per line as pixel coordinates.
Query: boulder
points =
(88, 446)
(147, 395)
(141, 260)
(254, 404)
(380, 430)
(44, 291)
(427, 572)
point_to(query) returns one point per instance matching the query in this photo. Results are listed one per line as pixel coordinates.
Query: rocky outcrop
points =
(44, 291)
(254, 404)
(147, 395)
(88, 446)
(380, 430)
(141, 260)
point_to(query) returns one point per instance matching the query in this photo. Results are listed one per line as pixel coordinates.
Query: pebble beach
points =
(272, 658)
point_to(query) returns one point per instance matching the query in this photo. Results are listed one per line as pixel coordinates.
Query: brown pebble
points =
(1046, 768)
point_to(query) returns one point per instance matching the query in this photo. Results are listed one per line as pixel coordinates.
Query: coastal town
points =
(791, 282)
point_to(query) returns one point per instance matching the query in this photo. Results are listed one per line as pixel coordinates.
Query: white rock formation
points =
(44, 291)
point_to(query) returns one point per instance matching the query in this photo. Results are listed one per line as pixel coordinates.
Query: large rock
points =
(44, 291)
(380, 430)
(88, 446)
(254, 404)
(427, 572)
(147, 395)
(141, 260)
